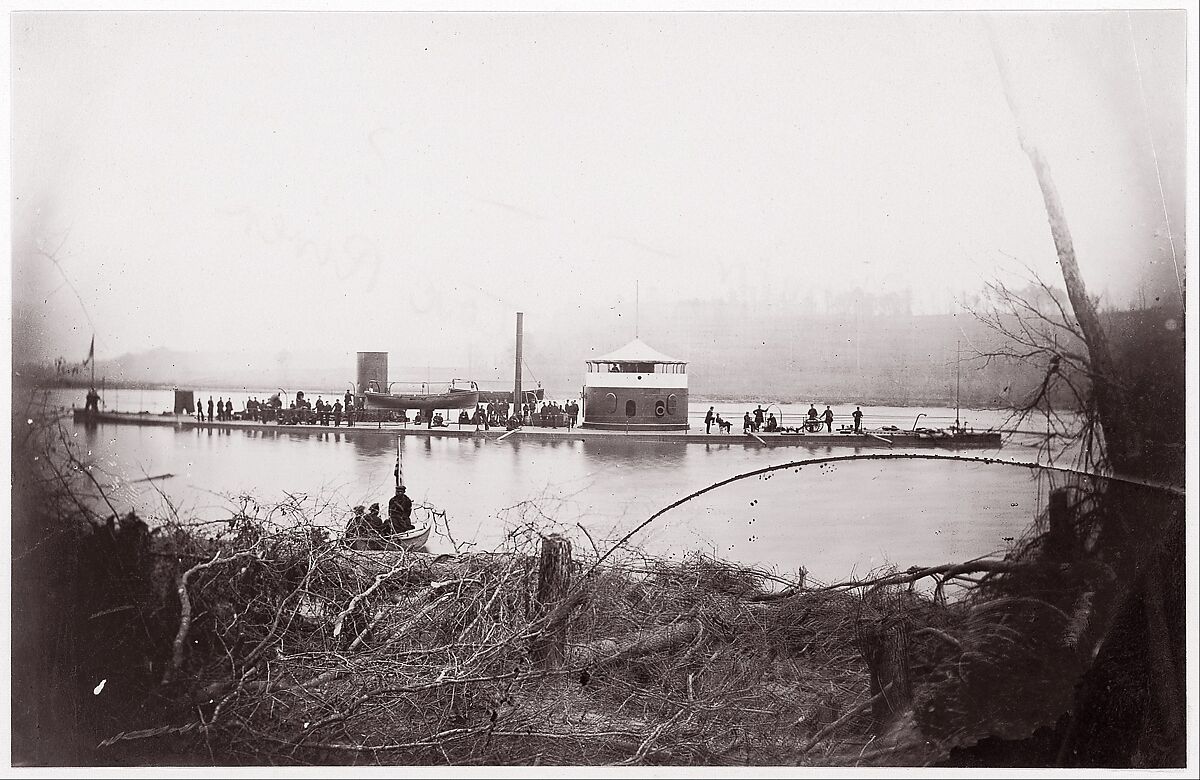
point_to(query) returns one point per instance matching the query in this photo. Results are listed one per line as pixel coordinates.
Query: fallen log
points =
(607, 651)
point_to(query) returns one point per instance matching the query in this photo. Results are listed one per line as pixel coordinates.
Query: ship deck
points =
(871, 438)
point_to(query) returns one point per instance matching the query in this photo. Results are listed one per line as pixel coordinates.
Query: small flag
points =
(91, 350)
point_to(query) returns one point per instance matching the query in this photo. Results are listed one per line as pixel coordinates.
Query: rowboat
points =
(411, 540)
(948, 437)
(454, 398)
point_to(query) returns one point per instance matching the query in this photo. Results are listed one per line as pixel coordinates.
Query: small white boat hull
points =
(411, 540)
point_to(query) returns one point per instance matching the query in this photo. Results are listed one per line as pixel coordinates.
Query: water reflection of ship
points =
(616, 451)
(369, 447)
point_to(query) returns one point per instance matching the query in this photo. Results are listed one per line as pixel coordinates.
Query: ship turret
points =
(635, 388)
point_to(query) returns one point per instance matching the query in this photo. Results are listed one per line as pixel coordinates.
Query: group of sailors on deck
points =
(325, 412)
(548, 414)
(305, 411)
(760, 420)
(224, 410)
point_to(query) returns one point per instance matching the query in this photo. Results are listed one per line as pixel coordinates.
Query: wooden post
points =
(885, 649)
(1060, 537)
(554, 580)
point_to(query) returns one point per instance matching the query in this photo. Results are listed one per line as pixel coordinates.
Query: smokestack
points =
(520, 347)
(372, 369)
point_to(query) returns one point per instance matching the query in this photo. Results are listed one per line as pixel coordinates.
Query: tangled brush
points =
(292, 646)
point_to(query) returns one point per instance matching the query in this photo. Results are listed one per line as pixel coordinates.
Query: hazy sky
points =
(361, 181)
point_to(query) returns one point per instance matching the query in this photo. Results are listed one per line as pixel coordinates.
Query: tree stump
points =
(554, 581)
(884, 646)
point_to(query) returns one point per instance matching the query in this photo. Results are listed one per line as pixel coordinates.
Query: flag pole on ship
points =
(399, 477)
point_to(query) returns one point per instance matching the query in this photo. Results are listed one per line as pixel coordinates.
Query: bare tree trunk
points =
(1105, 387)
(1125, 656)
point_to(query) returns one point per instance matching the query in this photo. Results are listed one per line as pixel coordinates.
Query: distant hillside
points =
(227, 370)
(763, 352)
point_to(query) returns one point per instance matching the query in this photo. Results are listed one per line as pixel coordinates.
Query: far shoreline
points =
(30, 384)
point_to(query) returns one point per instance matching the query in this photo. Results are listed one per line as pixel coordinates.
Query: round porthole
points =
(660, 408)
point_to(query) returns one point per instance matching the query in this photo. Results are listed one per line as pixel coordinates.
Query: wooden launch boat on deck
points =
(454, 398)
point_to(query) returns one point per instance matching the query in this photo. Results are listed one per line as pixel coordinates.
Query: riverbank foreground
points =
(266, 639)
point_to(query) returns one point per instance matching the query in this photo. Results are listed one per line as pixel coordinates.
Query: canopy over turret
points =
(636, 351)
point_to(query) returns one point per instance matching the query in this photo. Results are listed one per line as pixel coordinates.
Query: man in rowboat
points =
(365, 531)
(400, 512)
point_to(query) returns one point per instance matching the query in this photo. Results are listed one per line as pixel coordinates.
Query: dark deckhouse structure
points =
(635, 388)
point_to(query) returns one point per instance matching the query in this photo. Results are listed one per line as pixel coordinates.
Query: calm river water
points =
(835, 520)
